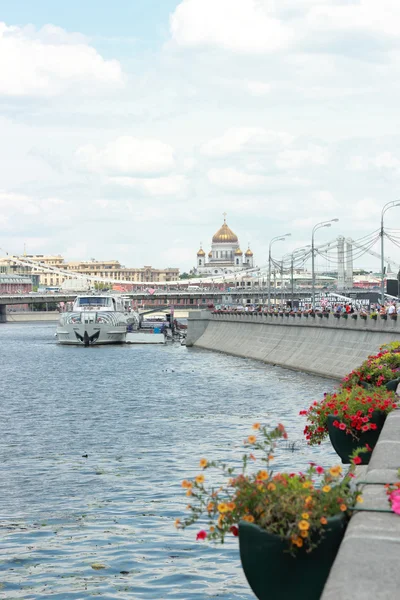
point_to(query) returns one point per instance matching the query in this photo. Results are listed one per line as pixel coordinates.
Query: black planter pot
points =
(384, 317)
(298, 314)
(393, 317)
(336, 315)
(306, 315)
(274, 574)
(319, 315)
(344, 316)
(374, 317)
(344, 444)
(326, 315)
(363, 317)
(354, 317)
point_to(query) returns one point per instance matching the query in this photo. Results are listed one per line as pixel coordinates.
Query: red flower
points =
(234, 530)
(319, 470)
(342, 426)
(201, 535)
(368, 447)
(357, 460)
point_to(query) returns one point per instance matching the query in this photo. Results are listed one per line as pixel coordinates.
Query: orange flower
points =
(262, 475)
(189, 492)
(177, 523)
(252, 439)
(299, 542)
(210, 507)
(308, 501)
(231, 505)
(252, 457)
(256, 426)
(323, 521)
(307, 484)
(212, 529)
(203, 463)
(303, 525)
(189, 506)
(343, 507)
(248, 518)
(304, 534)
(271, 487)
(187, 484)
(199, 479)
(271, 457)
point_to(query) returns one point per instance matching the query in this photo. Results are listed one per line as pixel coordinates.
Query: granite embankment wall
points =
(325, 346)
(22, 317)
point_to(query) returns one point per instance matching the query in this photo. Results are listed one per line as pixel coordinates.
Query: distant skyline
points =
(128, 128)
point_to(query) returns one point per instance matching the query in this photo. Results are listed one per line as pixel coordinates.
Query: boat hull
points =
(91, 329)
(141, 337)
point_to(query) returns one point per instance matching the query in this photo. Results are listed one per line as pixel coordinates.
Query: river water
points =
(94, 444)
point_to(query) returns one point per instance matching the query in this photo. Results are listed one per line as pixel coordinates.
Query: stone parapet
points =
(367, 565)
(324, 346)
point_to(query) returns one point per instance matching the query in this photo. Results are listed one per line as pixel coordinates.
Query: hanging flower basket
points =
(272, 572)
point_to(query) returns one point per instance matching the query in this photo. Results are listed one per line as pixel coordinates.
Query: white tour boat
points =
(102, 319)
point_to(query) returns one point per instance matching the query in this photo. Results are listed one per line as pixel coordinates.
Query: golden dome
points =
(224, 235)
(201, 252)
(238, 252)
(210, 254)
(248, 252)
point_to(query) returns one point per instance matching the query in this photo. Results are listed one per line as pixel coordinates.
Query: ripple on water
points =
(94, 443)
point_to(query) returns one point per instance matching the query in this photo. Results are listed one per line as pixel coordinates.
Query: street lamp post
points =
(317, 226)
(384, 209)
(279, 238)
(292, 257)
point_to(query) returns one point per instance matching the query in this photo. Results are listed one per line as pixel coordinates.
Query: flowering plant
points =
(393, 491)
(376, 370)
(294, 506)
(353, 409)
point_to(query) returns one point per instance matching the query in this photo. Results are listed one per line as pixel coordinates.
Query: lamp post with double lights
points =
(278, 238)
(317, 226)
(293, 255)
(382, 233)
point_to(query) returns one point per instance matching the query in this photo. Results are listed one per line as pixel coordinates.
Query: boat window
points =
(94, 301)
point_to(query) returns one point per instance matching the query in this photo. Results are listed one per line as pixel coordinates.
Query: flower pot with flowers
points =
(290, 525)
(374, 316)
(377, 370)
(352, 417)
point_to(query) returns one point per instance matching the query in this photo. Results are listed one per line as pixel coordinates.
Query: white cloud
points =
(245, 26)
(50, 61)
(239, 139)
(234, 179)
(161, 186)
(296, 159)
(258, 88)
(385, 161)
(127, 156)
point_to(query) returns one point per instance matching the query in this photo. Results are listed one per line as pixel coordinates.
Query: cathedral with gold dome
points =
(225, 255)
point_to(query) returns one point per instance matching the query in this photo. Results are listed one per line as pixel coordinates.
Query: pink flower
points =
(201, 535)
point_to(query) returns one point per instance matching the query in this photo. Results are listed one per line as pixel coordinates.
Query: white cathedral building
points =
(225, 255)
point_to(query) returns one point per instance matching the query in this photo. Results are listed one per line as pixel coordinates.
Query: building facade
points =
(108, 269)
(225, 255)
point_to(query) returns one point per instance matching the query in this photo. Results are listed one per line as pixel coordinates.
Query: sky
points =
(128, 128)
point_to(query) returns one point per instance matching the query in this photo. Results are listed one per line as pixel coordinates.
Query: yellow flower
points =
(177, 523)
(307, 484)
(303, 525)
(186, 484)
(304, 534)
(308, 500)
(360, 499)
(231, 505)
(335, 471)
(343, 507)
(203, 463)
(223, 507)
(220, 520)
(271, 487)
(252, 439)
(199, 479)
(326, 488)
(256, 426)
(260, 487)
(323, 521)
(262, 475)
(248, 518)
(305, 516)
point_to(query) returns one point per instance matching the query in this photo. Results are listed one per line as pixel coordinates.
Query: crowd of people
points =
(388, 308)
